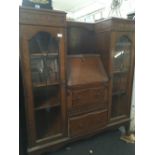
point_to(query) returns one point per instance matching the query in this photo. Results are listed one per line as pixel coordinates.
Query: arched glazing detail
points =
(121, 55)
(44, 51)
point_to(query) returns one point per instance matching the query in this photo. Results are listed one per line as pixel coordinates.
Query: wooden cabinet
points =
(122, 73)
(117, 52)
(87, 94)
(42, 56)
(122, 69)
(77, 84)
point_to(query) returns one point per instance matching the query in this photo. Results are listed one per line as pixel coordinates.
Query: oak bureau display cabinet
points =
(87, 88)
(87, 82)
(75, 85)
(42, 54)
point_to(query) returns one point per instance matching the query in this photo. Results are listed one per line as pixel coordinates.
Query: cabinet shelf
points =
(47, 105)
(120, 72)
(45, 54)
(54, 102)
(43, 84)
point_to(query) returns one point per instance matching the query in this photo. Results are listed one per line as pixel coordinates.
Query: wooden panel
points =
(84, 69)
(77, 38)
(89, 85)
(87, 26)
(87, 123)
(102, 26)
(87, 96)
(28, 94)
(114, 24)
(84, 109)
(103, 48)
(88, 99)
(42, 17)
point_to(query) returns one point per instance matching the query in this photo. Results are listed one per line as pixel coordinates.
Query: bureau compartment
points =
(89, 96)
(85, 124)
(88, 99)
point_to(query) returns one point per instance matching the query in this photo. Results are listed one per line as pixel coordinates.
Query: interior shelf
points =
(45, 54)
(46, 97)
(120, 72)
(54, 102)
(43, 84)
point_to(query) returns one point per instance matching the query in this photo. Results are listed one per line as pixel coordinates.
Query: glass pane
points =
(44, 68)
(121, 55)
(44, 63)
(119, 83)
(119, 105)
(48, 122)
(43, 42)
(45, 97)
(44, 52)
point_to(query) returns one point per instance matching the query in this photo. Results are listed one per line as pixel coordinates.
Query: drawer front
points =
(85, 124)
(89, 96)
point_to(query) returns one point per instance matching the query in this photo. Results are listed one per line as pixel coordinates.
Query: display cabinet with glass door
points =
(44, 62)
(115, 43)
(42, 57)
(121, 67)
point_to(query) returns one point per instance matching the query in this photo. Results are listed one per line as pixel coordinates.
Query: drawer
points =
(90, 122)
(89, 96)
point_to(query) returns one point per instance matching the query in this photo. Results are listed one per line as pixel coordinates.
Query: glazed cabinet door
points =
(42, 56)
(122, 70)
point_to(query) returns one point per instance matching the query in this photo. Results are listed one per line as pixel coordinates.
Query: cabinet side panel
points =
(26, 74)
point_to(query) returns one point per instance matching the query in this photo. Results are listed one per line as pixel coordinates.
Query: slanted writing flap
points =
(84, 69)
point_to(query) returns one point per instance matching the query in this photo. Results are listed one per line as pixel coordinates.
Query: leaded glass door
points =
(121, 61)
(44, 75)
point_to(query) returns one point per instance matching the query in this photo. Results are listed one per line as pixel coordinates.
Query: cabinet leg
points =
(127, 129)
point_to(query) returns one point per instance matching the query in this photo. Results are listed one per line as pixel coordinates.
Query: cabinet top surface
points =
(113, 19)
(115, 24)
